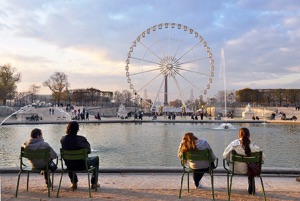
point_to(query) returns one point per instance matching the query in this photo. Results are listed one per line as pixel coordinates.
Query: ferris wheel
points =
(170, 61)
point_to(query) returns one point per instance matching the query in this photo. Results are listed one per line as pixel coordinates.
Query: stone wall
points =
(6, 111)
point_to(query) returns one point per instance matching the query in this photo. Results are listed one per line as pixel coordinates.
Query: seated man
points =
(37, 142)
(72, 141)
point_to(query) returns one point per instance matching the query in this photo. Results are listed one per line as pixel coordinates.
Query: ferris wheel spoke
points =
(188, 51)
(150, 81)
(153, 53)
(179, 46)
(179, 90)
(192, 61)
(159, 90)
(192, 71)
(160, 46)
(152, 62)
(144, 72)
(191, 83)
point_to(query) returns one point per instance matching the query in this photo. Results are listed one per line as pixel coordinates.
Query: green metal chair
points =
(81, 154)
(198, 155)
(43, 154)
(255, 157)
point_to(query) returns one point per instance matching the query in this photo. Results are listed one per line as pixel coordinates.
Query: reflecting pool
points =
(156, 144)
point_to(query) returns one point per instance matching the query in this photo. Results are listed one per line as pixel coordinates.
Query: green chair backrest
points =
(80, 154)
(35, 154)
(75, 155)
(197, 155)
(255, 157)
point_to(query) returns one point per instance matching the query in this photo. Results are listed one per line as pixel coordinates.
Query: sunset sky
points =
(89, 40)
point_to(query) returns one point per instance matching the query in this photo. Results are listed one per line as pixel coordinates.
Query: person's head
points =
(188, 142)
(72, 128)
(244, 137)
(36, 133)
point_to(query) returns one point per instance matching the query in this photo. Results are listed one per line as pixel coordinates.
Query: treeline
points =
(268, 97)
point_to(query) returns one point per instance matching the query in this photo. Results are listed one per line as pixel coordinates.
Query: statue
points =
(248, 113)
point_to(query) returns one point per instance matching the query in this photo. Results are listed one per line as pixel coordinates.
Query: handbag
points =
(254, 169)
(52, 166)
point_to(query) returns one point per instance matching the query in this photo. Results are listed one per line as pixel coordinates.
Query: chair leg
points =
(262, 185)
(18, 182)
(230, 185)
(57, 195)
(181, 184)
(48, 186)
(227, 184)
(188, 181)
(212, 185)
(89, 183)
(27, 181)
(52, 181)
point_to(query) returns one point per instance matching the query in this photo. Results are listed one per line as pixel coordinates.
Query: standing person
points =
(191, 142)
(242, 146)
(87, 115)
(37, 142)
(72, 141)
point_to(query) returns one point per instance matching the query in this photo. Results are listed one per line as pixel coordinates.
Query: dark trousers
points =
(46, 177)
(92, 162)
(198, 174)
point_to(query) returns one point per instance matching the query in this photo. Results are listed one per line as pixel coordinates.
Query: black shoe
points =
(250, 190)
(48, 183)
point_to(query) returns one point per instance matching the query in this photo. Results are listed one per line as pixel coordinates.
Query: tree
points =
(127, 95)
(8, 81)
(118, 97)
(33, 90)
(279, 94)
(56, 83)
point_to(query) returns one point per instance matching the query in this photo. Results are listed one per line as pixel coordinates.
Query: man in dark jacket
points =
(72, 141)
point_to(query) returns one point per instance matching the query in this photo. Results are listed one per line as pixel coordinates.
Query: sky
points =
(89, 40)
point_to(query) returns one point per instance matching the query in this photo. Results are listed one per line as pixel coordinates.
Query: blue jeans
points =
(92, 162)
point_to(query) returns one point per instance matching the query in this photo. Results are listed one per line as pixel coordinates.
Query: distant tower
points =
(192, 95)
(145, 94)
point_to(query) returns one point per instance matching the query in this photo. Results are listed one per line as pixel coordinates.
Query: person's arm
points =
(52, 153)
(226, 153)
(255, 148)
(86, 145)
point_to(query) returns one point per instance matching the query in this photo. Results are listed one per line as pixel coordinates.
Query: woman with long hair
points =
(242, 146)
(189, 143)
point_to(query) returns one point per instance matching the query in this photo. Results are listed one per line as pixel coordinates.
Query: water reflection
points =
(156, 144)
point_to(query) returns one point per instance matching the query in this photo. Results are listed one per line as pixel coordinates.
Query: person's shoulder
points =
(81, 137)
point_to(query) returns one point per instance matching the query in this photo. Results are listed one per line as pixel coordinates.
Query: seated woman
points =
(242, 146)
(191, 142)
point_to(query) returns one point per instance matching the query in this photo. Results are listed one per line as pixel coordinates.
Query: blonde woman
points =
(191, 142)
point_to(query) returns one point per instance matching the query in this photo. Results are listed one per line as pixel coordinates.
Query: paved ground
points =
(149, 186)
